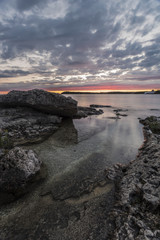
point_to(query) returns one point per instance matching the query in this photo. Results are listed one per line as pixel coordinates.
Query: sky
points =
(79, 45)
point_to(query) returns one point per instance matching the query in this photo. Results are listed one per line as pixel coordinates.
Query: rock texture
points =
(152, 123)
(87, 111)
(24, 125)
(17, 168)
(136, 212)
(84, 203)
(41, 100)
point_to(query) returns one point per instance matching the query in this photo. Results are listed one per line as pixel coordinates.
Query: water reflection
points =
(118, 140)
(114, 140)
(135, 101)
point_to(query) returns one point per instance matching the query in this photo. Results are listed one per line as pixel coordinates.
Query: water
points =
(136, 101)
(99, 140)
(123, 136)
(76, 157)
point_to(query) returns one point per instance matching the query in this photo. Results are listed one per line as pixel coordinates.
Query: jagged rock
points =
(41, 100)
(24, 125)
(137, 209)
(87, 111)
(17, 168)
(153, 123)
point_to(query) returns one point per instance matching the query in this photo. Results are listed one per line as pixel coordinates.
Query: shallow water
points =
(114, 140)
(74, 200)
(122, 136)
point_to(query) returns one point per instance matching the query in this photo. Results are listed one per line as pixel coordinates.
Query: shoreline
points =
(84, 200)
(119, 188)
(136, 211)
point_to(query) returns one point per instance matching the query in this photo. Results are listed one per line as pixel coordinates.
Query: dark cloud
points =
(13, 73)
(28, 4)
(137, 20)
(88, 37)
(146, 78)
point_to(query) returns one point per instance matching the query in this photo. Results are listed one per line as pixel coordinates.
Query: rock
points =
(100, 106)
(137, 209)
(120, 110)
(154, 109)
(153, 123)
(117, 112)
(122, 115)
(87, 111)
(2, 152)
(17, 168)
(113, 117)
(22, 125)
(41, 100)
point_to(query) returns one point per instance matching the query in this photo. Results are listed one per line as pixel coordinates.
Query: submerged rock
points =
(120, 110)
(17, 168)
(100, 106)
(87, 111)
(41, 100)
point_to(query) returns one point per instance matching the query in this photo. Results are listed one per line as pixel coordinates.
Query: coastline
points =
(119, 196)
(86, 201)
(136, 212)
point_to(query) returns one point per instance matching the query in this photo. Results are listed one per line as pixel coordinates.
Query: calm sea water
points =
(136, 101)
(97, 142)
(79, 152)
(117, 139)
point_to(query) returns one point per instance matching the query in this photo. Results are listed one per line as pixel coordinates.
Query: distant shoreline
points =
(156, 92)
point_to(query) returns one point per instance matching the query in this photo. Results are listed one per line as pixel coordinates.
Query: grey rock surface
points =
(136, 212)
(152, 123)
(87, 111)
(17, 168)
(24, 125)
(41, 100)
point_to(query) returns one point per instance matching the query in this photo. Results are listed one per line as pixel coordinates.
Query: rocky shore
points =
(28, 117)
(85, 203)
(136, 212)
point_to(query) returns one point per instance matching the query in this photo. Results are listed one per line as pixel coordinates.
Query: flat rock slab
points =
(21, 125)
(41, 100)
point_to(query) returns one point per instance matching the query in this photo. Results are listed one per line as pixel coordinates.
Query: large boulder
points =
(41, 100)
(17, 169)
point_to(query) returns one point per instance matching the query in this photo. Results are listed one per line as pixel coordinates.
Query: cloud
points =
(68, 37)
(26, 5)
(13, 73)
